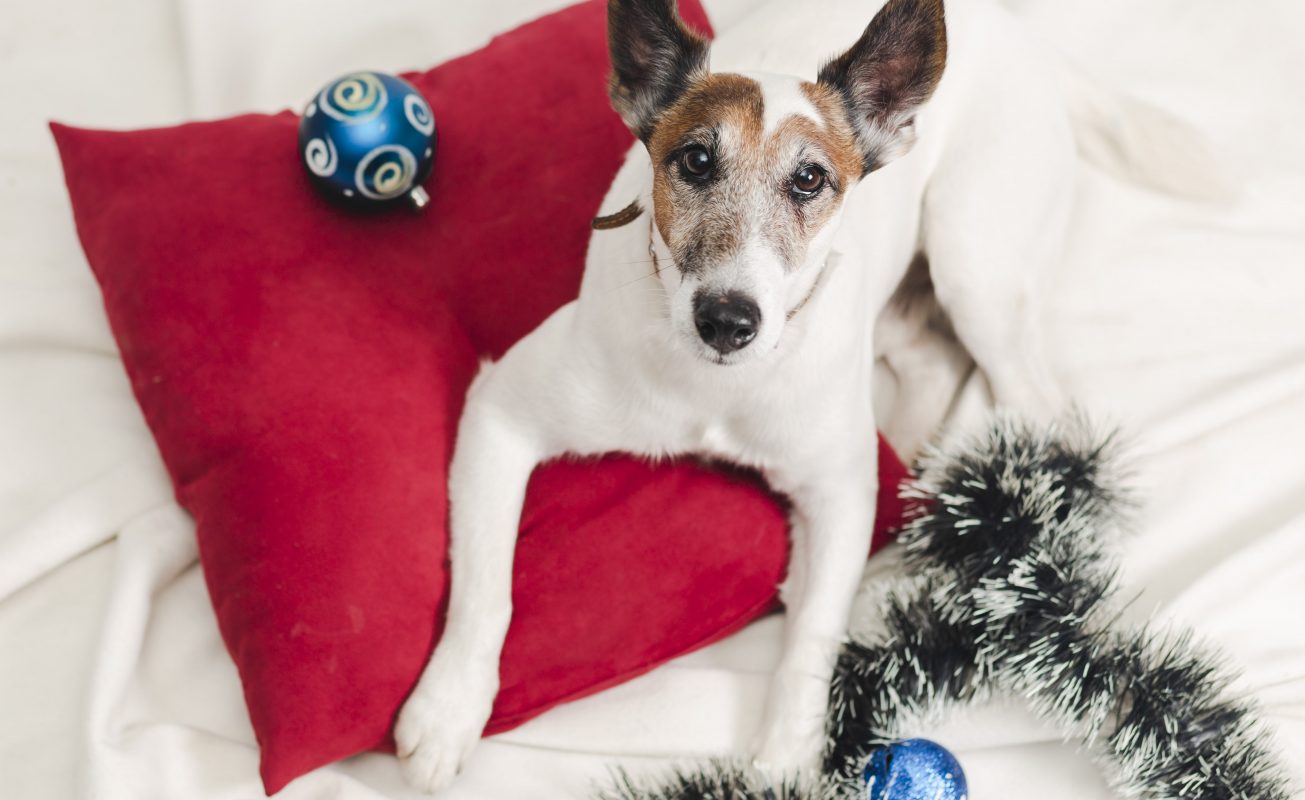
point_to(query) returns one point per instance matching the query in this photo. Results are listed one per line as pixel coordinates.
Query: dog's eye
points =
(808, 180)
(696, 161)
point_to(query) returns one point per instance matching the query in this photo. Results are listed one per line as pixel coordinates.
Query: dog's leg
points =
(988, 281)
(928, 370)
(995, 215)
(446, 713)
(916, 342)
(833, 518)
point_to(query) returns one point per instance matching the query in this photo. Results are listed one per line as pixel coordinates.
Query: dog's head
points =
(750, 172)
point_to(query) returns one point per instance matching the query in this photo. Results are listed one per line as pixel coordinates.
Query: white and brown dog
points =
(733, 309)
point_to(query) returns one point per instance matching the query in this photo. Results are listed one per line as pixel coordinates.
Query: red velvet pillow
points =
(302, 369)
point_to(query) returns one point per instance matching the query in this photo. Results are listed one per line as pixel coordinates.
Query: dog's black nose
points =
(726, 322)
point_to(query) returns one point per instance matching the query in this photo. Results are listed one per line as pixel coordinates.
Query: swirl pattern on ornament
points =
(386, 172)
(354, 98)
(321, 157)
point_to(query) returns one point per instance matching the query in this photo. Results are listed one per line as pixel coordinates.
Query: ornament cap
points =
(418, 198)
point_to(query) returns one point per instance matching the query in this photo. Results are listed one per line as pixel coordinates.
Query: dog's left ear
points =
(888, 74)
(654, 58)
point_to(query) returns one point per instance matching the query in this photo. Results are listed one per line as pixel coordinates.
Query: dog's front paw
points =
(792, 737)
(442, 721)
(786, 754)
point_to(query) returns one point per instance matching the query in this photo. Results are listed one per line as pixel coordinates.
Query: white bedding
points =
(1185, 323)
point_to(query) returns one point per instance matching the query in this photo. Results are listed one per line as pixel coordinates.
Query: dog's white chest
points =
(718, 439)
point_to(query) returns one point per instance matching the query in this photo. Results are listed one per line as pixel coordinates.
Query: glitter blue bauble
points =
(914, 769)
(368, 139)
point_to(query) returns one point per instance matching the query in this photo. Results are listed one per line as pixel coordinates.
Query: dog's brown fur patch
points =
(712, 102)
(748, 196)
(838, 136)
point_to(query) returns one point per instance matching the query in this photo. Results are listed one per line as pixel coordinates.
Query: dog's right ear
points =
(888, 74)
(654, 58)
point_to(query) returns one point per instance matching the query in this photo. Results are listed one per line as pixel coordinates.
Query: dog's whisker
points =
(629, 283)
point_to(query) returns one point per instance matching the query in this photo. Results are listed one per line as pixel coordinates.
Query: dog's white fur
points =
(985, 192)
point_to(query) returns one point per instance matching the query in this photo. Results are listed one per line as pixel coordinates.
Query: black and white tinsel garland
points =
(1010, 572)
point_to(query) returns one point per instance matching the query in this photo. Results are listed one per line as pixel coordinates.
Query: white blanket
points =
(1185, 323)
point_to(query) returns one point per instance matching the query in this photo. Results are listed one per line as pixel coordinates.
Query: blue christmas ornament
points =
(368, 138)
(914, 769)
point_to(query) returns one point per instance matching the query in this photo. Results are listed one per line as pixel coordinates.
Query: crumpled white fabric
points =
(1182, 322)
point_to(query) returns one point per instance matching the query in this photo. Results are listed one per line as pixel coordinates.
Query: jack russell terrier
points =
(733, 290)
